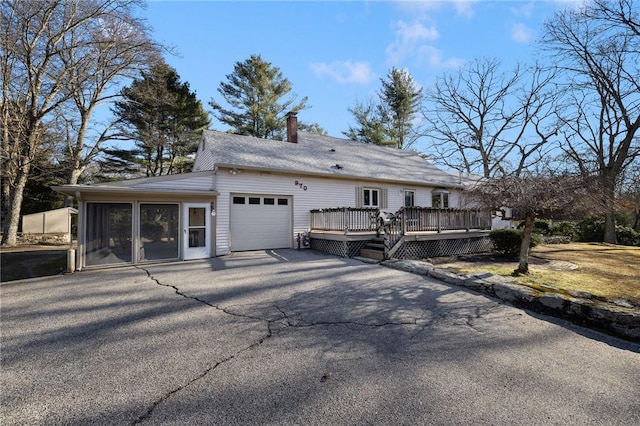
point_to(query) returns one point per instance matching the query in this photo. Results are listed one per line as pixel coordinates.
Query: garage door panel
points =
(260, 226)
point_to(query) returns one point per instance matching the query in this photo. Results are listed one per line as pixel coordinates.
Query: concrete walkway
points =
(291, 337)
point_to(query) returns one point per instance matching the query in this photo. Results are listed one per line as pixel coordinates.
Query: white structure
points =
(49, 224)
(247, 193)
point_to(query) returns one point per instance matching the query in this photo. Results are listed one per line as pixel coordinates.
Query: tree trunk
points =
(73, 180)
(610, 212)
(523, 266)
(10, 225)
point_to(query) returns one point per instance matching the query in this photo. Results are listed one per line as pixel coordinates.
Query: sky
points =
(336, 52)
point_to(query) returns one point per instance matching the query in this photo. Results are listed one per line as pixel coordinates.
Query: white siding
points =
(319, 193)
(193, 183)
(204, 160)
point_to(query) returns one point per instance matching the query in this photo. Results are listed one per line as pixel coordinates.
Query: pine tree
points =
(401, 98)
(389, 121)
(259, 97)
(164, 118)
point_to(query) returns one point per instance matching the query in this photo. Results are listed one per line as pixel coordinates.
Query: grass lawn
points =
(604, 270)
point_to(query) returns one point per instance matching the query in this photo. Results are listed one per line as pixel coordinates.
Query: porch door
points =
(196, 233)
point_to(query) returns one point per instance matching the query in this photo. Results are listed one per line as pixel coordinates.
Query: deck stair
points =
(374, 249)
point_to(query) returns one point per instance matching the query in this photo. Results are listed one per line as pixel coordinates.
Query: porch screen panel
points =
(109, 233)
(158, 231)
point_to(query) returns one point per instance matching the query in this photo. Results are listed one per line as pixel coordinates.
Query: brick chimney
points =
(292, 127)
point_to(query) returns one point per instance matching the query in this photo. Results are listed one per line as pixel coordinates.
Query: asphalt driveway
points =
(290, 337)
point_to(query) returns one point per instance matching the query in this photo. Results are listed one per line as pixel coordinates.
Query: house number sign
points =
(300, 185)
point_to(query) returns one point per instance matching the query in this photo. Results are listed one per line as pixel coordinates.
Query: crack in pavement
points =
(270, 333)
(147, 414)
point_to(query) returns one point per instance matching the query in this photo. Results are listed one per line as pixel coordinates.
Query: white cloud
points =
(345, 71)
(433, 57)
(521, 33)
(409, 37)
(464, 8)
(523, 11)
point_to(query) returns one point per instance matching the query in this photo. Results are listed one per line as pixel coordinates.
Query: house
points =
(247, 193)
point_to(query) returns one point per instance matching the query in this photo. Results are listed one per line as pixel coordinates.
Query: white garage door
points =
(260, 222)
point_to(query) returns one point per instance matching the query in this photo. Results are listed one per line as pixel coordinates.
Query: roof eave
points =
(339, 176)
(77, 190)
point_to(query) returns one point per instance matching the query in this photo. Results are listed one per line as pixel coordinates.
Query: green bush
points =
(508, 241)
(627, 236)
(591, 229)
(540, 226)
(565, 229)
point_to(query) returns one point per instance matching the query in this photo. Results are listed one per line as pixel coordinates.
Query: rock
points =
(552, 301)
(514, 293)
(446, 276)
(413, 266)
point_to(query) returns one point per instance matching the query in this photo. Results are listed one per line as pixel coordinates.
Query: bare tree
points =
(482, 120)
(532, 194)
(54, 53)
(98, 56)
(598, 49)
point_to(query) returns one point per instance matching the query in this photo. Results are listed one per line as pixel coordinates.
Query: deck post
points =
(438, 220)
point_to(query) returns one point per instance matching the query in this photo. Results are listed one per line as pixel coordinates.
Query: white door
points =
(196, 233)
(260, 222)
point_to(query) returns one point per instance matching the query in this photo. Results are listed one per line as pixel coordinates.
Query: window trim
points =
(371, 191)
(413, 197)
(442, 197)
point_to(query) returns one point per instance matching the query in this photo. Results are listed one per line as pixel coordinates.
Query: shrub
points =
(557, 239)
(565, 229)
(591, 229)
(540, 226)
(508, 241)
(627, 236)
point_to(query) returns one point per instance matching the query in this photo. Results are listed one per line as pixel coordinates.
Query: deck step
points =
(375, 246)
(372, 254)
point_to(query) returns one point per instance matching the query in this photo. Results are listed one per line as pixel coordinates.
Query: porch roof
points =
(77, 190)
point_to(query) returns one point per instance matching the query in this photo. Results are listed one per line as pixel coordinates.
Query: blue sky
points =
(335, 52)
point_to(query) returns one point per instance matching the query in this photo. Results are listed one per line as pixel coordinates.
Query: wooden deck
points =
(401, 232)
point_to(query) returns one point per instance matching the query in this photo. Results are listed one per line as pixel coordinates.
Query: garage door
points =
(260, 222)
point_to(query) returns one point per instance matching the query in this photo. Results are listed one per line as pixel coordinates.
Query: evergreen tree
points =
(259, 97)
(370, 127)
(389, 121)
(164, 118)
(400, 97)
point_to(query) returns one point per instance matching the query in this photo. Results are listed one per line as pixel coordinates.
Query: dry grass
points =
(604, 270)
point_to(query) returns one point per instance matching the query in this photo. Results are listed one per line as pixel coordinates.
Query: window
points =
(158, 231)
(109, 235)
(440, 200)
(254, 200)
(238, 200)
(409, 198)
(370, 197)
(283, 202)
(269, 201)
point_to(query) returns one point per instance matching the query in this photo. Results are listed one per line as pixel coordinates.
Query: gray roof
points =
(324, 155)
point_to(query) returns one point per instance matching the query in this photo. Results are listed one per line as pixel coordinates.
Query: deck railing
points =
(421, 219)
(345, 219)
(407, 219)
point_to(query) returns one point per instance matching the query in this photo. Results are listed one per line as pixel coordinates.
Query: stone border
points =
(618, 318)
